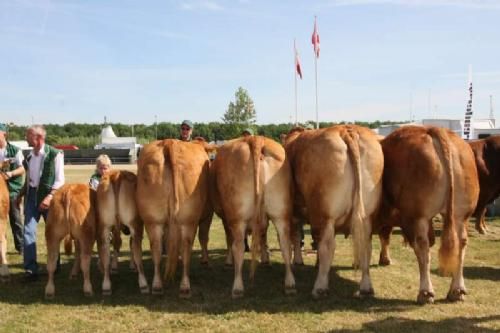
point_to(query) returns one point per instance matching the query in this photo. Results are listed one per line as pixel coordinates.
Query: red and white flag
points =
(297, 62)
(315, 39)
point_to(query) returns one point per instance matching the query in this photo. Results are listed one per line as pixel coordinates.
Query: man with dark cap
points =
(186, 130)
(14, 176)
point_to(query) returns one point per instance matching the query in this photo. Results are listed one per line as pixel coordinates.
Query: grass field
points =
(265, 307)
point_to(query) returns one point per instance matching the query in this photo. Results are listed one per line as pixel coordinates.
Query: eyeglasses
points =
(185, 128)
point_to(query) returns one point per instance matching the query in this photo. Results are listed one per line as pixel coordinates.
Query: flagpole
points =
(316, 84)
(295, 75)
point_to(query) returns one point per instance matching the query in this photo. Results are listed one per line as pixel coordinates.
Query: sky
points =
(145, 61)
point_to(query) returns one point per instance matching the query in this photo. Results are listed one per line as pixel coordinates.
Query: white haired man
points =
(45, 174)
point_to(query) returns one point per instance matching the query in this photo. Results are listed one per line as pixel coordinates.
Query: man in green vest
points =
(14, 176)
(45, 175)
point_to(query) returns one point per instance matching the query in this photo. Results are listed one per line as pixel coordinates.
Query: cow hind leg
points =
(229, 244)
(385, 237)
(75, 269)
(421, 247)
(136, 248)
(480, 225)
(326, 249)
(283, 229)
(457, 287)
(296, 239)
(117, 244)
(86, 244)
(188, 233)
(53, 242)
(203, 231)
(155, 235)
(238, 231)
(4, 269)
(103, 234)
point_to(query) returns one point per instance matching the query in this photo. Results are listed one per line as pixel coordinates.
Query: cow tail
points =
(360, 230)
(256, 147)
(68, 245)
(448, 252)
(173, 229)
(115, 180)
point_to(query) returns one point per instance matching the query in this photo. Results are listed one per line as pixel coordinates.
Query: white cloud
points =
(201, 5)
(478, 4)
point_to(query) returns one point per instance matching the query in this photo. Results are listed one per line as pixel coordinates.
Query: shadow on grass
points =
(458, 324)
(482, 273)
(211, 290)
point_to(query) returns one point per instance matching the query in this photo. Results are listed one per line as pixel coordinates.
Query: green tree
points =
(241, 111)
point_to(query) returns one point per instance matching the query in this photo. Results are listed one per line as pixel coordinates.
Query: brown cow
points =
(487, 154)
(338, 178)
(72, 211)
(487, 157)
(4, 216)
(430, 171)
(253, 182)
(116, 206)
(172, 190)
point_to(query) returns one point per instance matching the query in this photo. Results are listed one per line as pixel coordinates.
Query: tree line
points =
(88, 135)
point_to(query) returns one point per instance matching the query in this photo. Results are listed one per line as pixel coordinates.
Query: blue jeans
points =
(31, 218)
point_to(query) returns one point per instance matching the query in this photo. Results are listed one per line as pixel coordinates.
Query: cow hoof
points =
(481, 230)
(298, 263)
(144, 290)
(290, 290)
(384, 261)
(204, 263)
(425, 297)
(106, 292)
(88, 293)
(320, 293)
(365, 293)
(185, 293)
(49, 296)
(456, 295)
(237, 293)
(73, 276)
(157, 291)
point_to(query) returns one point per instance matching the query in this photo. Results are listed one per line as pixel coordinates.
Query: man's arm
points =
(59, 176)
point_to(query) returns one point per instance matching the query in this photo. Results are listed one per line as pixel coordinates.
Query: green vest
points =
(15, 183)
(48, 176)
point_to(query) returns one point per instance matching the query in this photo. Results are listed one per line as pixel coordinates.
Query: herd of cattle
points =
(343, 179)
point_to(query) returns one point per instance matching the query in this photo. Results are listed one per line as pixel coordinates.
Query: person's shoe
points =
(30, 277)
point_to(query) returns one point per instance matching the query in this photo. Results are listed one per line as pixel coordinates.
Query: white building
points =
(109, 140)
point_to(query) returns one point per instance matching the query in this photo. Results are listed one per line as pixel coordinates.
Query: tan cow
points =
(253, 182)
(172, 191)
(72, 211)
(4, 216)
(430, 171)
(116, 206)
(338, 179)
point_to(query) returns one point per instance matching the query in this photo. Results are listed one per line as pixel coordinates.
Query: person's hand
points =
(44, 205)
(7, 175)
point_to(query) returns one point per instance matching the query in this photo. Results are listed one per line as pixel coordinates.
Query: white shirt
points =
(18, 159)
(35, 168)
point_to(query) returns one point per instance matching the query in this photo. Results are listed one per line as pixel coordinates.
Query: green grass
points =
(265, 307)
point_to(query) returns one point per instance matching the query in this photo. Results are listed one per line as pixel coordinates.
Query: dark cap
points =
(187, 123)
(247, 130)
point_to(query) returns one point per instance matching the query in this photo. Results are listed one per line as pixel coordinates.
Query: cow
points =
(338, 180)
(430, 171)
(487, 158)
(72, 211)
(172, 191)
(487, 154)
(4, 216)
(253, 182)
(116, 207)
